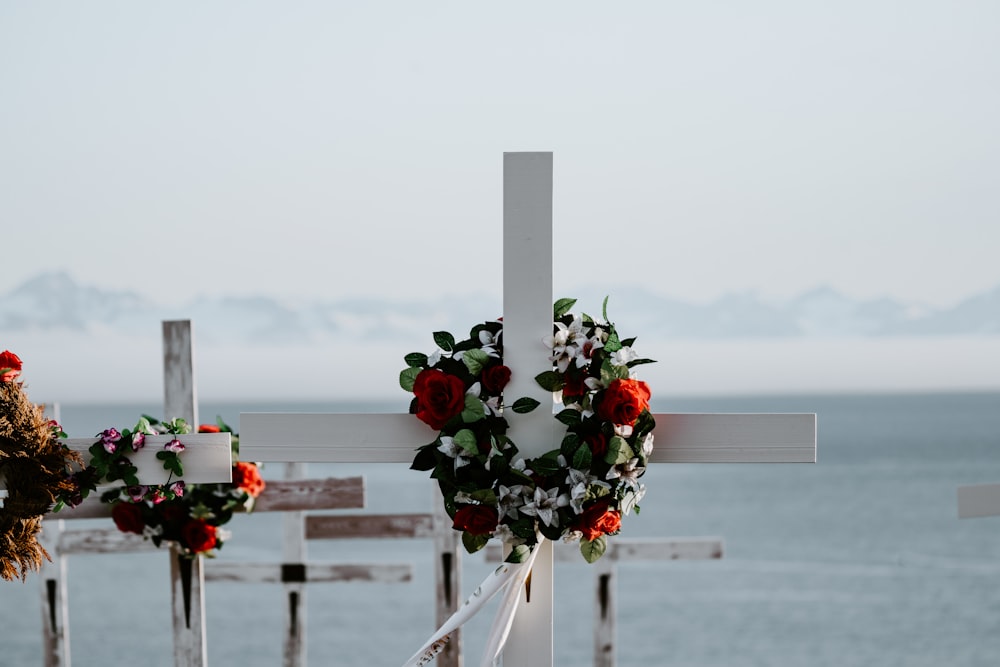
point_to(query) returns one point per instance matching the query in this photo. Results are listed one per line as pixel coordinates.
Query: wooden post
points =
(55, 607)
(293, 549)
(187, 576)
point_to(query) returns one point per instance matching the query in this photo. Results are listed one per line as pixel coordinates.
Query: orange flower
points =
(208, 428)
(247, 477)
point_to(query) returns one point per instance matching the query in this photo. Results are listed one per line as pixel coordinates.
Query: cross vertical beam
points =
(187, 576)
(527, 313)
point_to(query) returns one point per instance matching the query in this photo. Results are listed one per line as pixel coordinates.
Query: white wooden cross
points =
(978, 500)
(527, 311)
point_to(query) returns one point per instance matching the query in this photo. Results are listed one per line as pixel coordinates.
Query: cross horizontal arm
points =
(392, 438)
(206, 459)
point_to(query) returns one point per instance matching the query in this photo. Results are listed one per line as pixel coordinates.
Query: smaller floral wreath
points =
(577, 492)
(189, 516)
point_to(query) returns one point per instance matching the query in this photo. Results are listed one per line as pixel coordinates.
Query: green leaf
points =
(444, 340)
(518, 554)
(425, 458)
(544, 466)
(474, 409)
(569, 417)
(475, 360)
(618, 451)
(561, 307)
(582, 458)
(549, 380)
(524, 405)
(612, 344)
(474, 543)
(416, 359)
(604, 308)
(594, 549)
(485, 496)
(466, 439)
(639, 362)
(408, 376)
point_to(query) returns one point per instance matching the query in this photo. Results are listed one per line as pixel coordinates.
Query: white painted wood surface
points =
(295, 647)
(180, 391)
(527, 283)
(207, 457)
(978, 500)
(392, 438)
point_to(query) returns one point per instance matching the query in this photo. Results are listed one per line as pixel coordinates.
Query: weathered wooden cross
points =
(527, 311)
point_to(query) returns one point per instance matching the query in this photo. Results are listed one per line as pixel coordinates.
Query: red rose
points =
(624, 401)
(10, 366)
(598, 520)
(476, 519)
(247, 477)
(598, 443)
(495, 378)
(198, 535)
(208, 428)
(574, 384)
(128, 517)
(439, 397)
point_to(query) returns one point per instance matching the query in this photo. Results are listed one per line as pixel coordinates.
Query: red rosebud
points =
(128, 517)
(598, 443)
(439, 397)
(476, 519)
(495, 378)
(10, 366)
(598, 519)
(623, 401)
(198, 535)
(208, 428)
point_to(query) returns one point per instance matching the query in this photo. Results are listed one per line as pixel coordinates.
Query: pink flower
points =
(138, 441)
(177, 488)
(136, 493)
(175, 446)
(110, 438)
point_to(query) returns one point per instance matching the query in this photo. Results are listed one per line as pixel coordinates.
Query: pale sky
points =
(331, 149)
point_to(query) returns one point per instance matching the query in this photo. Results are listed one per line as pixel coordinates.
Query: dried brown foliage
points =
(34, 465)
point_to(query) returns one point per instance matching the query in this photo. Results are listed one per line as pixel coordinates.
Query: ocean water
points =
(855, 561)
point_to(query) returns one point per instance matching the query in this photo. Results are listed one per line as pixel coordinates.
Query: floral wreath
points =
(189, 516)
(579, 491)
(32, 465)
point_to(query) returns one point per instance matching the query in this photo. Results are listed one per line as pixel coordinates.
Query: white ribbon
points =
(508, 575)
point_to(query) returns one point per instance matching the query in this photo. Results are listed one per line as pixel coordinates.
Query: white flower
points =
(647, 445)
(632, 498)
(507, 536)
(580, 484)
(433, 358)
(545, 504)
(449, 448)
(623, 356)
(510, 499)
(628, 472)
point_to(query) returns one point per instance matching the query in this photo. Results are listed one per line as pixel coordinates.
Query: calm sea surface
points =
(859, 560)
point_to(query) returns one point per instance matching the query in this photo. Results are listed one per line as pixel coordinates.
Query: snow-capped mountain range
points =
(55, 302)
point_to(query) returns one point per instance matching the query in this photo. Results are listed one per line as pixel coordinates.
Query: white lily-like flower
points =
(507, 536)
(580, 484)
(628, 471)
(632, 499)
(449, 448)
(510, 499)
(623, 356)
(647, 445)
(544, 505)
(587, 351)
(433, 358)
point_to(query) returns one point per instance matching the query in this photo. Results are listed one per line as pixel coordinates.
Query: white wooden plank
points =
(187, 595)
(527, 313)
(293, 550)
(263, 573)
(369, 526)
(311, 494)
(207, 457)
(978, 500)
(622, 549)
(101, 541)
(393, 438)
(180, 395)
